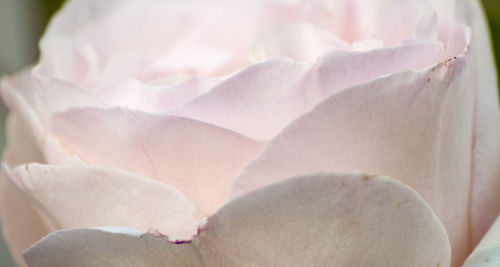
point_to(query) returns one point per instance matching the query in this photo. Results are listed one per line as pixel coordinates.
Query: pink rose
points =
(238, 133)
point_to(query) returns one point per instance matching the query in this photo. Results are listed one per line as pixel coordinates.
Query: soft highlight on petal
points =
(153, 98)
(301, 42)
(78, 48)
(199, 159)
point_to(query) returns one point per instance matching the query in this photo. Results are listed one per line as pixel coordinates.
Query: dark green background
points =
(48, 7)
(493, 10)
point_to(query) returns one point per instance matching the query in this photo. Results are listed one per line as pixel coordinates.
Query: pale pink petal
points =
(21, 223)
(53, 95)
(352, 19)
(319, 220)
(80, 195)
(199, 159)
(487, 253)
(21, 147)
(153, 98)
(458, 40)
(396, 20)
(214, 39)
(427, 28)
(31, 106)
(261, 100)
(367, 45)
(414, 125)
(34, 98)
(445, 10)
(301, 42)
(18, 93)
(485, 204)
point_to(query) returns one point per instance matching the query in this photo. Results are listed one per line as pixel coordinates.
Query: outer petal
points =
(199, 159)
(485, 204)
(320, 220)
(116, 247)
(487, 253)
(416, 126)
(18, 93)
(21, 223)
(31, 109)
(263, 99)
(85, 196)
(34, 98)
(21, 146)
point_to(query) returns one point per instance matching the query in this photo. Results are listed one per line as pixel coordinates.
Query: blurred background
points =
(23, 21)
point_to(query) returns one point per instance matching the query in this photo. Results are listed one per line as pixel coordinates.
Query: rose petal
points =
(261, 100)
(116, 247)
(151, 98)
(21, 223)
(457, 40)
(199, 159)
(21, 147)
(319, 220)
(427, 28)
(367, 45)
(301, 42)
(352, 20)
(18, 94)
(487, 253)
(416, 126)
(34, 98)
(31, 108)
(389, 20)
(485, 204)
(87, 196)
(399, 19)
(56, 95)
(445, 10)
(214, 38)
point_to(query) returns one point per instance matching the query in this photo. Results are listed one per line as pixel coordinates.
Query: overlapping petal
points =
(322, 220)
(301, 42)
(487, 253)
(22, 225)
(416, 126)
(435, 129)
(485, 195)
(211, 41)
(32, 107)
(199, 159)
(154, 98)
(261, 100)
(80, 195)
